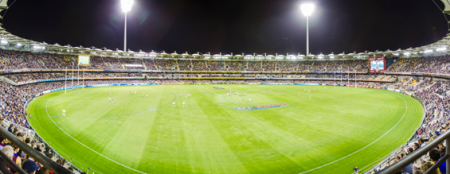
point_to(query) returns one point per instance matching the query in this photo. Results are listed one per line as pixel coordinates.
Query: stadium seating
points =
(14, 60)
(32, 73)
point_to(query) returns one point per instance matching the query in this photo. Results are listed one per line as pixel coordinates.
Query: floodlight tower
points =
(307, 10)
(126, 7)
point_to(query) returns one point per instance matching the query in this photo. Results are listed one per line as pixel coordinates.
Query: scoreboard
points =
(377, 64)
(84, 59)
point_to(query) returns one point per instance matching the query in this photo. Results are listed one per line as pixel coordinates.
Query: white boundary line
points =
(406, 109)
(378, 161)
(46, 109)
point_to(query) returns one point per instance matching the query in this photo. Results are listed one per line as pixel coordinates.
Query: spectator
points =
(47, 150)
(44, 170)
(441, 148)
(421, 142)
(416, 146)
(50, 155)
(10, 128)
(30, 166)
(4, 167)
(410, 150)
(70, 168)
(434, 157)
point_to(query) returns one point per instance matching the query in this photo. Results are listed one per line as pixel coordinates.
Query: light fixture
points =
(427, 51)
(19, 44)
(307, 9)
(331, 56)
(134, 65)
(126, 5)
(442, 49)
(4, 41)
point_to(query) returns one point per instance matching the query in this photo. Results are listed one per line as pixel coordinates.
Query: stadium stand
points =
(433, 93)
(25, 75)
(30, 73)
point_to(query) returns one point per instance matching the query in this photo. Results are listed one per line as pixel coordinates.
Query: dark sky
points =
(249, 26)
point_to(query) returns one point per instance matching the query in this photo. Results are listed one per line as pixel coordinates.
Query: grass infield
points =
(338, 129)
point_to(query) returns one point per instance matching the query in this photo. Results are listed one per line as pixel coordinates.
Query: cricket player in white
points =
(64, 112)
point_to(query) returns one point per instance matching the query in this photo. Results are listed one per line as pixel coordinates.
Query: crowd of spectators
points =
(432, 93)
(438, 64)
(47, 76)
(15, 60)
(437, 104)
(26, 60)
(27, 77)
(12, 108)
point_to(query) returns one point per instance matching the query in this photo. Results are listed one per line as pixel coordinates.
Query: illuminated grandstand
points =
(32, 69)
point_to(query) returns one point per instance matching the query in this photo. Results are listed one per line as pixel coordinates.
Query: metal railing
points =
(398, 166)
(47, 162)
(12, 163)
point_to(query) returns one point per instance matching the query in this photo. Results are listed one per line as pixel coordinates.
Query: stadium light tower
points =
(307, 10)
(126, 7)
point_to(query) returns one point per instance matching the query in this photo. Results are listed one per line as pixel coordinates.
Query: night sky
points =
(230, 26)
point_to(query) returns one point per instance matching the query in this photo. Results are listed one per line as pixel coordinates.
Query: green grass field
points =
(338, 129)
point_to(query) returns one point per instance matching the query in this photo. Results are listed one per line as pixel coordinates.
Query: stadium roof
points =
(9, 41)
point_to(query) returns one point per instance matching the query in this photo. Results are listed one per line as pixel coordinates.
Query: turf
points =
(337, 129)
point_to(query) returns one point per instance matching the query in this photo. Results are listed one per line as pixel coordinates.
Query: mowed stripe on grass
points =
(210, 136)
